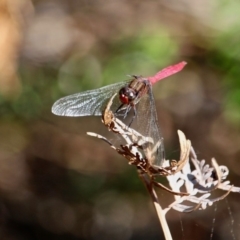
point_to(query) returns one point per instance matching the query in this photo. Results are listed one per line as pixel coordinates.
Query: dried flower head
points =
(198, 182)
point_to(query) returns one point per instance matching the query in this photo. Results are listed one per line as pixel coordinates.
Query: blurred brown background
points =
(58, 183)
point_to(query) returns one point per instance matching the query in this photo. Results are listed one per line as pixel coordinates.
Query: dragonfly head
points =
(127, 95)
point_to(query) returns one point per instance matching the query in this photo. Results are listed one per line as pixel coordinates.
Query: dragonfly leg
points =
(119, 108)
(134, 115)
(123, 114)
(127, 111)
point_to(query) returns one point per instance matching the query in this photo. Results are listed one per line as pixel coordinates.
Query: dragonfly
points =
(135, 96)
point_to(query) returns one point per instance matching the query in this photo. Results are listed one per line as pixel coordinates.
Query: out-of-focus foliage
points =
(57, 183)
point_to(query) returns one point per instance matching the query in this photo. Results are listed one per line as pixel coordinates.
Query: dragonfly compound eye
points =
(127, 95)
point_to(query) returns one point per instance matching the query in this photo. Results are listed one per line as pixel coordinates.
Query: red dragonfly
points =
(135, 95)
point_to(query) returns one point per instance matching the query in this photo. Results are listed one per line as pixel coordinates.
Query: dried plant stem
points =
(161, 214)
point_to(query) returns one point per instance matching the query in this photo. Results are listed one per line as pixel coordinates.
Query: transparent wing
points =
(147, 124)
(87, 103)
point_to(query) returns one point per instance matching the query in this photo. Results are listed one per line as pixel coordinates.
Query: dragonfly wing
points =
(147, 124)
(87, 103)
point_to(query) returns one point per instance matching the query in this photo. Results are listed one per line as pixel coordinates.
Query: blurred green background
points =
(58, 183)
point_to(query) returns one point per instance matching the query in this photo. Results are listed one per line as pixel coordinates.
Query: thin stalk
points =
(160, 213)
